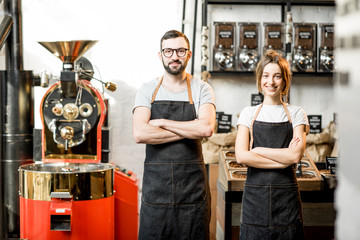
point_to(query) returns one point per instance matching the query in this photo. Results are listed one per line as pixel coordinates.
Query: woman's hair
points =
(271, 56)
(173, 34)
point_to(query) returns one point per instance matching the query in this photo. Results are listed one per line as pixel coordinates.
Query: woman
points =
(270, 141)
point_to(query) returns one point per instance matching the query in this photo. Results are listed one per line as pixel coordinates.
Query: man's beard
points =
(177, 71)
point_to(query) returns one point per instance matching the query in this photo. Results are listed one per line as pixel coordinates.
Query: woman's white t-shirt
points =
(273, 113)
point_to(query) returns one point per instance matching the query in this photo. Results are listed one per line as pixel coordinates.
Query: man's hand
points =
(294, 142)
(156, 122)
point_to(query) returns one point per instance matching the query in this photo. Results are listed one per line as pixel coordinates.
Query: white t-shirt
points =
(273, 113)
(201, 93)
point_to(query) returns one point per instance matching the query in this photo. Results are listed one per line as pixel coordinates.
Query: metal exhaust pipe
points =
(17, 121)
(5, 28)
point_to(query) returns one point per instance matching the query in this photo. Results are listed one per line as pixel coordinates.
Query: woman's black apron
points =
(175, 192)
(271, 206)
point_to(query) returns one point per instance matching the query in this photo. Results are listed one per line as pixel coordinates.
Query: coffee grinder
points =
(326, 49)
(304, 57)
(248, 50)
(224, 48)
(274, 37)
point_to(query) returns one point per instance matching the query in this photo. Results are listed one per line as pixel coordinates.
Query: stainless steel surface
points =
(304, 164)
(85, 110)
(303, 60)
(309, 173)
(68, 51)
(238, 174)
(14, 55)
(327, 60)
(67, 132)
(83, 181)
(224, 59)
(16, 143)
(5, 28)
(71, 111)
(16, 121)
(229, 154)
(249, 59)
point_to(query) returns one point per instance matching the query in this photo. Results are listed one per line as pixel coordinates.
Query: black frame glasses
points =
(180, 52)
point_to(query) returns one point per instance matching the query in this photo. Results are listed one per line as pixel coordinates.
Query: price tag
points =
(224, 122)
(298, 171)
(315, 123)
(256, 99)
(331, 163)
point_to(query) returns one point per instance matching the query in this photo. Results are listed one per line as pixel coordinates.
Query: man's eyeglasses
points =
(180, 52)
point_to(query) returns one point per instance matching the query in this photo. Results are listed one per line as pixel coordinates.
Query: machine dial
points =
(86, 110)
(67, 132)
(71, 111)
(58, 109)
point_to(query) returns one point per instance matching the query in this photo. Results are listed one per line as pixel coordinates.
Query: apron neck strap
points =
(187, 84)
(156, 90)
(252, 125)
(255, 116)
(189, 88)
(287, 112)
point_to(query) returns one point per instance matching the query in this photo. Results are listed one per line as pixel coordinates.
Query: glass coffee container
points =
(304, 47)
(224, 47)
(248, 50)
(326, 49)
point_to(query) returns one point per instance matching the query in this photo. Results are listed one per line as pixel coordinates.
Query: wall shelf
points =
(274, 2)
(238, 73)
(285, 6)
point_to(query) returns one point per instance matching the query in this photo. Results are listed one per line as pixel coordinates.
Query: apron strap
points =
(256, 114)
(156, 90)
(188, 89)
(251, 127)
(287, 112)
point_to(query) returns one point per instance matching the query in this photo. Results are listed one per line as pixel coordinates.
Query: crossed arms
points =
(261, 157)
(158, 131)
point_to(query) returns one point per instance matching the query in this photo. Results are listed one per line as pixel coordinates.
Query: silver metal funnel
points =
(69, 51)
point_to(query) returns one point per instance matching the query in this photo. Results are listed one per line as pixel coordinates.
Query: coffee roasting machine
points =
(55, 181)
(73, 191)
(71, 181)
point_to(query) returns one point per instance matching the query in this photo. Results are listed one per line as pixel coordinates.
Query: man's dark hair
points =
(173, 34)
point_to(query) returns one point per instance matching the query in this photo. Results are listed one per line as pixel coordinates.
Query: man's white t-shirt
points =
(201, 93)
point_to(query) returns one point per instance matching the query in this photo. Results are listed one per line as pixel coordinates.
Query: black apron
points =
(271, 206)
(175, 194)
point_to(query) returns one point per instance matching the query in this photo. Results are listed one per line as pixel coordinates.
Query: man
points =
(171, 116)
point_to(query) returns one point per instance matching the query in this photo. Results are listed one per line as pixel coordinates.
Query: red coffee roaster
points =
(72, 193)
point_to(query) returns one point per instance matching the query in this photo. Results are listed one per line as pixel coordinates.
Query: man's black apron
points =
(271, 206)
(175, 192)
